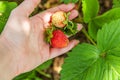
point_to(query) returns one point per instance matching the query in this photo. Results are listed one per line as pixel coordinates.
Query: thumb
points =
(27, 7)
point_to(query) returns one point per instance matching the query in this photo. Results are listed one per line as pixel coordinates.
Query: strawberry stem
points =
(43, 73)
(79, 4)
(88, 37)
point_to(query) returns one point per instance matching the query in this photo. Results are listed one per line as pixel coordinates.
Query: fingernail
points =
(80, 26)
(76, 42)
(70, 6)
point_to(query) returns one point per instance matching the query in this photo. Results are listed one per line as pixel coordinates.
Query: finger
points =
(27, 7)
(73, 14)
(63, 7)
(46, 15)
(56, 51)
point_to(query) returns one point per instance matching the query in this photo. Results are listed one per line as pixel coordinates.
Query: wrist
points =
(7, 66)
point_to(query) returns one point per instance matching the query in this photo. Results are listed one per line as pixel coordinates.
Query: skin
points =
(22, 45)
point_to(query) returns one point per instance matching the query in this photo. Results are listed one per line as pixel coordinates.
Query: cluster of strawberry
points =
(60, 27)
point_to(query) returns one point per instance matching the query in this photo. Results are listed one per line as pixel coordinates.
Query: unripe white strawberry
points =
(58, 19)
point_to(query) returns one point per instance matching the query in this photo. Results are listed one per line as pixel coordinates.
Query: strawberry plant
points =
(97, 58)
(99, 61)
(96, 62)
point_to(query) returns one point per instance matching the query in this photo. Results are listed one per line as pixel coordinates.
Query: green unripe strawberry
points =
(59, 39)
(58, 19)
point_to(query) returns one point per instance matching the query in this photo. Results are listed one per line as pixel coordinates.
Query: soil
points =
(55, 68)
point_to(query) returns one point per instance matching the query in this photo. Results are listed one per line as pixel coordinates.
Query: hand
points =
(24, 35)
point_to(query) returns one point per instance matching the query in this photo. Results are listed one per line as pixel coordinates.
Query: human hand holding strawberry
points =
(22, 43)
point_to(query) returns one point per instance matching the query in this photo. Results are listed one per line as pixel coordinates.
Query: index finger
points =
(46, 15)
(62, 7)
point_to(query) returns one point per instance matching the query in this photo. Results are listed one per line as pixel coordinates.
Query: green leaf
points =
(99, 21)
(101, 62)
(114, 61)
(5, 9)
(78, 63)
(69, 1)
(85, 63)
(109, 44)
(45, 65)
(116, 3)
(109, 36)
(90, 9)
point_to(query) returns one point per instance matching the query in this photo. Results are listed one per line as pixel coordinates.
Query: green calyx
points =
(71, 27)
(48, 34)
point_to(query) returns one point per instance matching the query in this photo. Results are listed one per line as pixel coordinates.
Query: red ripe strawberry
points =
(59, 39)
(58, 19)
